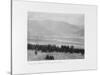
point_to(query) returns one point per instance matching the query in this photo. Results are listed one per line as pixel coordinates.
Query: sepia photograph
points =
(55, 36)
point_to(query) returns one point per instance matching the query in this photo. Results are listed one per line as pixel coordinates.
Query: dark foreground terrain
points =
(53, 52)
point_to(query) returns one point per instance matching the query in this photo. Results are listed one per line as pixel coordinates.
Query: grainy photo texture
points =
(55, 36)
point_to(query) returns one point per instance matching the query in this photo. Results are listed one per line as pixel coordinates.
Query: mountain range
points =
(53, 28)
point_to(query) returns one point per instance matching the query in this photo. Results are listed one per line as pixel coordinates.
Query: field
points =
(57, 55)
(53, 52)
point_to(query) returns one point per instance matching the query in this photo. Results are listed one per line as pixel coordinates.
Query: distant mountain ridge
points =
(51, 28)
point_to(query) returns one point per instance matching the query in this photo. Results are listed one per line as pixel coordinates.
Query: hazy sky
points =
(75, 19)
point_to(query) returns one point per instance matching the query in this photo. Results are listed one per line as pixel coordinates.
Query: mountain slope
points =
(51, 28)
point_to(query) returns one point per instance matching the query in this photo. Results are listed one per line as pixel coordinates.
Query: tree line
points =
(54, 48)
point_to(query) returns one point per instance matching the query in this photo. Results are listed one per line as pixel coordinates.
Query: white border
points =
(19, 38)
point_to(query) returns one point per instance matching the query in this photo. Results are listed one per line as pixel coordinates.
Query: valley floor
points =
(57, 55)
